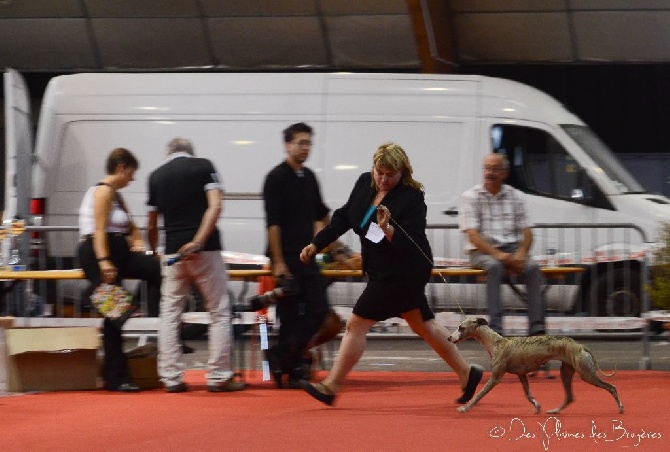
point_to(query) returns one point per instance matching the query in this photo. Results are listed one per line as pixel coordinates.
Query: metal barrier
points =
(612, 285)
(613, 256)
(608, 296)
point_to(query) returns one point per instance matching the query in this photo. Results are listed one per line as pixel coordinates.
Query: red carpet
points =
(376, 411)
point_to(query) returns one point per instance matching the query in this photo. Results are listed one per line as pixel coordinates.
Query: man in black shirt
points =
(293, 208)
(187, 192)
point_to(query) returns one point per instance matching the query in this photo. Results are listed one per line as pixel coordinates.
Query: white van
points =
(446, 123)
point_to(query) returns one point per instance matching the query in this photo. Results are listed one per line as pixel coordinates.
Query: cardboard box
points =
(143, 366)
(51, 359)
(144, 372)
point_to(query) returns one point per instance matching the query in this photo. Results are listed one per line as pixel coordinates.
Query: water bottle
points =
(17, 227)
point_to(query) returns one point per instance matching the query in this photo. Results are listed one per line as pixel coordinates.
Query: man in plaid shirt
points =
(493, 217)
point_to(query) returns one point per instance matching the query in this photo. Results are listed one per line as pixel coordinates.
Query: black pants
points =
(300, 315)
(129, 265)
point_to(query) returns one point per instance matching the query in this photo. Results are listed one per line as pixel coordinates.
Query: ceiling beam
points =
(434, 35)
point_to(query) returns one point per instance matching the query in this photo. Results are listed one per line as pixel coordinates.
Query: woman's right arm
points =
(102, 204)
(339, 224)
(325, 236)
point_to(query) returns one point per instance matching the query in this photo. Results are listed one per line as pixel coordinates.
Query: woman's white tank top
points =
(118, 220)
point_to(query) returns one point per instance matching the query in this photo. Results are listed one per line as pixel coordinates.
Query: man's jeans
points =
(495, 276)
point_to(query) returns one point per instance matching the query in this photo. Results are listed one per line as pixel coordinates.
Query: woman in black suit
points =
(397, 260)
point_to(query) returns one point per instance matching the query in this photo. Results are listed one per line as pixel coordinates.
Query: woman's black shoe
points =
(475, 376)
(320, 392)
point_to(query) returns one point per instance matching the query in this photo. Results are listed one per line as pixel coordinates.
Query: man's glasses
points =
(302, 143)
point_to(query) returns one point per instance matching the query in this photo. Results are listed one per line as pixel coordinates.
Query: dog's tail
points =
(595, 363)
(613, 373)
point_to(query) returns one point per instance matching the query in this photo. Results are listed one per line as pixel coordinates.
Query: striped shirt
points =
(500, 218)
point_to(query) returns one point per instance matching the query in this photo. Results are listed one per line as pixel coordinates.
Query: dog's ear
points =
(481, 321)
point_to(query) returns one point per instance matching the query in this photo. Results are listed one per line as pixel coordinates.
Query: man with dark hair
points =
(293, 208)
(187, 192)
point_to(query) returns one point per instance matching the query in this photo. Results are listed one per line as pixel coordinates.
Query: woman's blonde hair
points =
(393, 157)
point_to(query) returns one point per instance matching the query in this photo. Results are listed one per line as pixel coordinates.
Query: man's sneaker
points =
(229, 385)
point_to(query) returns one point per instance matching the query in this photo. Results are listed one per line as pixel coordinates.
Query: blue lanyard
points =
(368, 214)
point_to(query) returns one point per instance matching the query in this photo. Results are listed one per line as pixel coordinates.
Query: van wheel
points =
(614, 296)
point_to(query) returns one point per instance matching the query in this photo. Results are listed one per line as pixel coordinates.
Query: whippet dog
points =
(521, 355)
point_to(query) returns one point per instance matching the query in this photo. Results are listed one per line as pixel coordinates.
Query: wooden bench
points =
(253, 274)
(143, 327)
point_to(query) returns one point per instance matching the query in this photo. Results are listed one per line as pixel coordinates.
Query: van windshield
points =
(604, 157)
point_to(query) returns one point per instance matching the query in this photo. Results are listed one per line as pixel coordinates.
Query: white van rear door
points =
(18, 147)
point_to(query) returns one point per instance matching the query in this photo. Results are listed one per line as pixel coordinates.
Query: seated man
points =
(493, 217)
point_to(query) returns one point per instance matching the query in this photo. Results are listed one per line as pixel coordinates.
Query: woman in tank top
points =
(112, 249)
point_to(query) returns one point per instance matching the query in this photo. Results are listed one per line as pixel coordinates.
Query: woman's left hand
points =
(108, 272)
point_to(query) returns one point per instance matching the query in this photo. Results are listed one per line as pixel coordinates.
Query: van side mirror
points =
(577, 194)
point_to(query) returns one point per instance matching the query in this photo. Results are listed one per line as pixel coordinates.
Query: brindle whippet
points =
(521, 355)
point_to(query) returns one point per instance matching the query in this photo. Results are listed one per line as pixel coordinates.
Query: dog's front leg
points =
(494, 380)
(523, 378)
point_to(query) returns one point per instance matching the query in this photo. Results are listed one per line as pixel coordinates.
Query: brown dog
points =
(521, 355)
